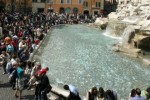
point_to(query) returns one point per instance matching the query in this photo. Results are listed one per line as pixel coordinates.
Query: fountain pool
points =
(82, 56)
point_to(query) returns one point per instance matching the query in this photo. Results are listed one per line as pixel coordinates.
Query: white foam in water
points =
(108, 34)
(59, 82)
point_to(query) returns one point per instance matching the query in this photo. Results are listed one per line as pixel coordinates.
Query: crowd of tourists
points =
(19, 38)
(101, 94)
(21, 35)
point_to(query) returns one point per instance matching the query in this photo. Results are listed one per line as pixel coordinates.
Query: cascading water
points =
(82, 56)
(127, 35)
(114, 29)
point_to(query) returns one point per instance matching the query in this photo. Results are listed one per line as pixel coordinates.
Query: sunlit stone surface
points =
(145, 1)
(82, 56)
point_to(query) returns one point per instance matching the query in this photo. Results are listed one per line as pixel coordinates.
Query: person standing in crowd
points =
(14, 43)
(22, 44)
(20, 33)
(33, 75)
(41, 86)
(19, 81)
(138, 95)
(10, 49)
(28, 69)
(2, 46)
(9, 66)
(146, 93)
(74, 94)
(92, 94)
(34, 78)
(13, 73)
(4, 59)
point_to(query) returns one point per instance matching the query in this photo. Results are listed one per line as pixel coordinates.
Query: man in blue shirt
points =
(74, 94)
(138, 95)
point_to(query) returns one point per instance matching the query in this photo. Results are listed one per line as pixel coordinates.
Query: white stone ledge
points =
(57, 93)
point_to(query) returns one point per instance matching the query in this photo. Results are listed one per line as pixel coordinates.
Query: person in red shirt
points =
(42, 84)
(28, 41)
(36, 41)
(15, 44)
(20, 34)
(42, 70)
(34, 78)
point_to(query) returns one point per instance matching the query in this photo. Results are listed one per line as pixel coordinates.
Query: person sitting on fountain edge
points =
(146, 93)
(74, 94)
(92, 94)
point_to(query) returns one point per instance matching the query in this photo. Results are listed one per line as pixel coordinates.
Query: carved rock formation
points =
(101, 22)
(136, 32)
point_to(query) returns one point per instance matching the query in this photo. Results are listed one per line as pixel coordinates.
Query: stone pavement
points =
(6, 92)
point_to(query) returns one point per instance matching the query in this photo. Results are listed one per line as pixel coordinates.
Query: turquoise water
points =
(82, 56)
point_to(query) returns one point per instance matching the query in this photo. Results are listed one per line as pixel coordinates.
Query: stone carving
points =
(102, 22)
(136, 34)
(145, 1)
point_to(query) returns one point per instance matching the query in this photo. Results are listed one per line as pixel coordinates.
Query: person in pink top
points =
(20, 34)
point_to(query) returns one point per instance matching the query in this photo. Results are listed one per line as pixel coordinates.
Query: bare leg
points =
(20, 93)
(16, 93)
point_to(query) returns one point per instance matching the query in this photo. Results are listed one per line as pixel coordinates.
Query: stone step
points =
(52, 96)
(146, 61)
(60, 91)
(57, 93)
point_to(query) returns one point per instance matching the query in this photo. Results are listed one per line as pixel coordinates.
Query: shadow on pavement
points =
(5, 85)
(28, 97)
